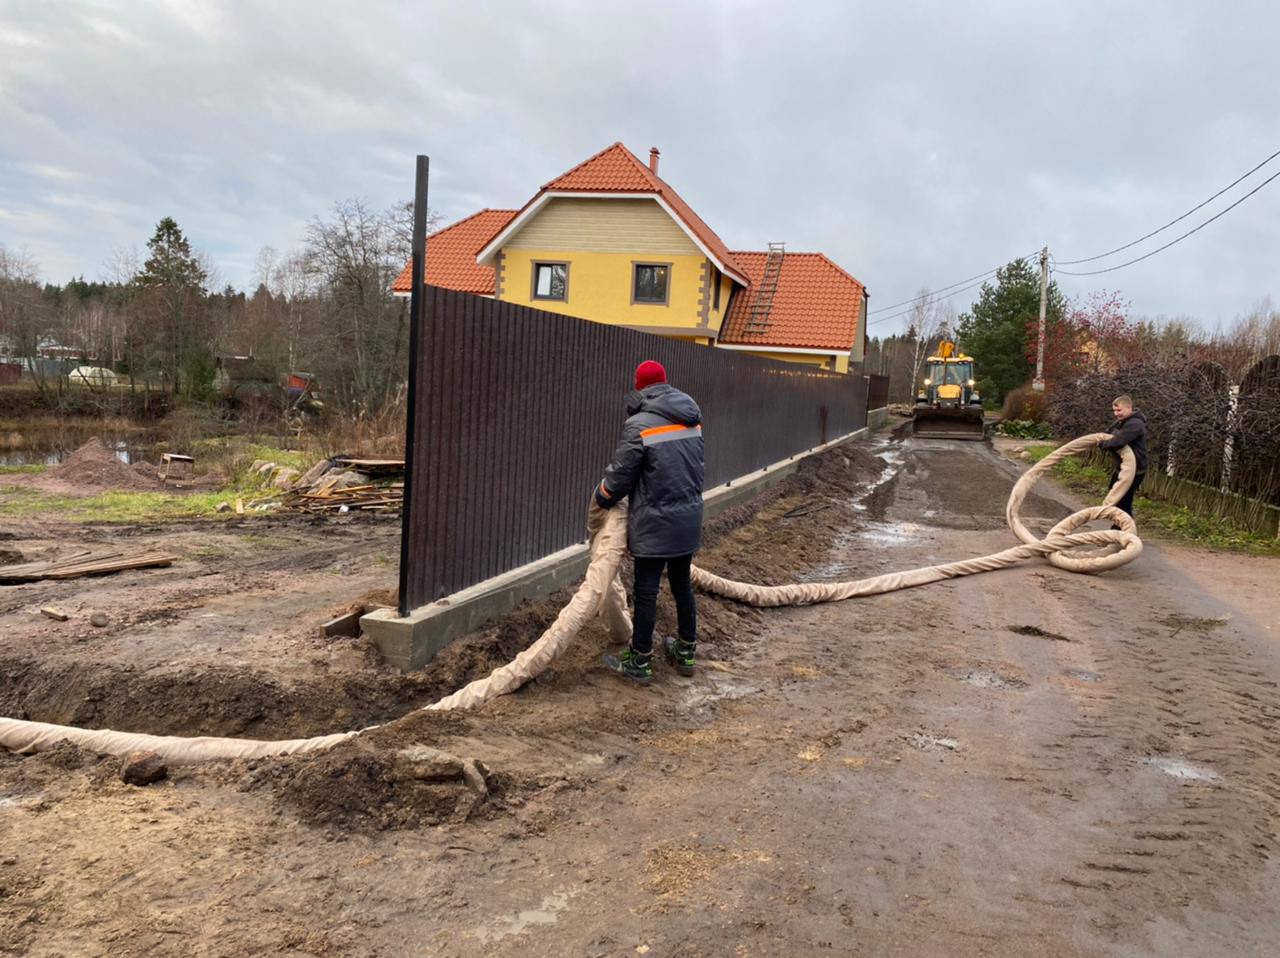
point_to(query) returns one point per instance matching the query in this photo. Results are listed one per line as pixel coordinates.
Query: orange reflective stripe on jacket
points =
(659, 434)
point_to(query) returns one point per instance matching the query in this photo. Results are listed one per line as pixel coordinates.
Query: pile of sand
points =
(95, 468)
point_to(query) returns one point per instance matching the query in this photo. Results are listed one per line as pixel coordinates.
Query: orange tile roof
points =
(615, 169)
(451, 254)
(816, 305)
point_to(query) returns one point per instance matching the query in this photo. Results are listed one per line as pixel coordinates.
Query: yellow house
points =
(612, 242)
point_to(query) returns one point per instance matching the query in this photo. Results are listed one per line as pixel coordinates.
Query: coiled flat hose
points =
(601, 593)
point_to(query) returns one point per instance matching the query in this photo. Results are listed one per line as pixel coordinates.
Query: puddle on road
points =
(893, 460)
(1083, 675)
(930, 743)
(856, 543)
(545, 914)
(890, 533)
(985, 679)
(1183, 770)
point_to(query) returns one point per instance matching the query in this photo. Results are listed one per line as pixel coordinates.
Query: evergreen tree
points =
(172, 292)
(171, 264)
(994, 330)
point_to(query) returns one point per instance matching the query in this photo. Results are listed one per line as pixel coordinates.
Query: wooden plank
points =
(149, 561)
(347, 625)
(79, 565)
(27, 567)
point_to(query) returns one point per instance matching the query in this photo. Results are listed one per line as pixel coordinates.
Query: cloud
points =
(914, 144)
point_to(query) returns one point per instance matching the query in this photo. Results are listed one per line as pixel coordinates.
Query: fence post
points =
(417, 273)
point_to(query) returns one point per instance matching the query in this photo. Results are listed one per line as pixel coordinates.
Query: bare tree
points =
(353, 257)
(400, 222)
(929, 322)
(25, 320)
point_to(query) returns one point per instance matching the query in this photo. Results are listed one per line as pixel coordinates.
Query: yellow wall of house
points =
(600, 285)
(841, 364)
(715, 317)
(601, 240)
(603, 226)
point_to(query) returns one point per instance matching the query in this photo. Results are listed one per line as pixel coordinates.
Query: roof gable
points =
(616, 170)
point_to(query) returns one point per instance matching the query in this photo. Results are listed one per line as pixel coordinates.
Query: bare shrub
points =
(1190, 422)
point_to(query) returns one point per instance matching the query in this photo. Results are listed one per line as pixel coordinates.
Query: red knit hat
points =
(648, 373)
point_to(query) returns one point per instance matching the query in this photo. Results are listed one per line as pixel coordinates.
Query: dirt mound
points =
(356, 787)
(95, 468)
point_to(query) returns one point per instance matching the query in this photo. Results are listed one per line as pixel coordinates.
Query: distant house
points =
(611, 241)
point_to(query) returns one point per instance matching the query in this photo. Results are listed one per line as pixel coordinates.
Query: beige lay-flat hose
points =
(601, 593)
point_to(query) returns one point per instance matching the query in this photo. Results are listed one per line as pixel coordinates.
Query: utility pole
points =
(1038, 383)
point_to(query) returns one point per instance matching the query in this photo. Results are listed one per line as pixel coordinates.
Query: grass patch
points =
(1165, 520)
(22, 470)
(233, 455)
(111, 506)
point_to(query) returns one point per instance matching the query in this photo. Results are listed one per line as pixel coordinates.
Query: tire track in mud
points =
(1183, 728)
(1157, 754)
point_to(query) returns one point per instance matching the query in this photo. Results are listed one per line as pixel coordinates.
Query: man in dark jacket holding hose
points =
(1129, 429)
(658, 464)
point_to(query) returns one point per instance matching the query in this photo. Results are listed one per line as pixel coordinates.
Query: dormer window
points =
(651, 283)
(551, 281)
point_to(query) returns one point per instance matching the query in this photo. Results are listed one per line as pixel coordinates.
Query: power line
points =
(1180, 238)
(935, 296)
(943, 289)
(1090, 259)
(884, 319)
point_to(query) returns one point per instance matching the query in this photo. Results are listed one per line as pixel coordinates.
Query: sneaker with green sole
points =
(680, 654)
(630, 665)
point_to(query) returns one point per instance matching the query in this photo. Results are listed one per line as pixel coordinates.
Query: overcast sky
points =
(914, 143)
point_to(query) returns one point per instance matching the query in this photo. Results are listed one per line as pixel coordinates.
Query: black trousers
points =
(1126, 501)
(648, 581)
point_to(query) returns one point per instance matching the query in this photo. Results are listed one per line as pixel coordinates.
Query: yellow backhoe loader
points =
(947, 403)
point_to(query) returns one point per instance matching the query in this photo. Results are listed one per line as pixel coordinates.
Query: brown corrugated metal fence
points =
(518, 411)
(877, 392)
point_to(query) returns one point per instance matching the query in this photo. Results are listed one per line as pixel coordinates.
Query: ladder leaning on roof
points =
(758, 321)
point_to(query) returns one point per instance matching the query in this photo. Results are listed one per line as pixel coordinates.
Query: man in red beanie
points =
(658, 464)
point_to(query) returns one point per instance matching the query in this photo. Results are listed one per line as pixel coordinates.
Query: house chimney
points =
(654, 153)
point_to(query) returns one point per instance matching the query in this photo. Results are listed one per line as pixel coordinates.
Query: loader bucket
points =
(928, 422)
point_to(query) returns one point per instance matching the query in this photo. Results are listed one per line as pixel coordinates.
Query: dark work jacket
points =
(659, 465)
(1132, 432)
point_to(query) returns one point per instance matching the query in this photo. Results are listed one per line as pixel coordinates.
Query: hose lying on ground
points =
(601, 592)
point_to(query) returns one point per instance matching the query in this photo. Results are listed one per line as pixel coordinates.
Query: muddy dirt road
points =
(1025, 762)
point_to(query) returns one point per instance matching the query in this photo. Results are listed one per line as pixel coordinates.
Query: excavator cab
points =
(947, 403)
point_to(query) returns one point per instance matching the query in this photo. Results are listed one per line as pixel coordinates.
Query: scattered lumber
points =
(328, 499)
(57, 615)
(82, 564)
(380, 468)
